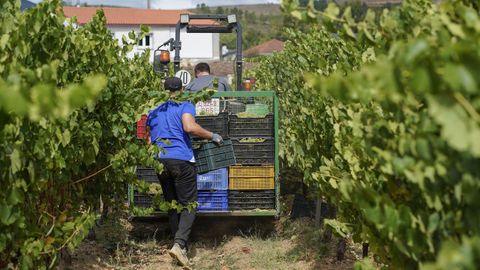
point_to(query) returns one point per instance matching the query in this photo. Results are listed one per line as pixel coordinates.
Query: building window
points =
(146, 41)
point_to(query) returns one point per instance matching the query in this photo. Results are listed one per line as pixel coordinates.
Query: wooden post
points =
(341, 249)
(365, 250)
(318, 212)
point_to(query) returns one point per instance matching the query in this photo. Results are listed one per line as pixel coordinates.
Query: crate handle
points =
(197, 144)
(252, 140)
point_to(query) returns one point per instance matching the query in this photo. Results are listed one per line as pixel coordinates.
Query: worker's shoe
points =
(180, 254)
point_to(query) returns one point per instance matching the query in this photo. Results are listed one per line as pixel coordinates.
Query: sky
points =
(171, 4)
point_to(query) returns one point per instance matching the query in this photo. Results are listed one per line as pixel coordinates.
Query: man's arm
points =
(191, 127)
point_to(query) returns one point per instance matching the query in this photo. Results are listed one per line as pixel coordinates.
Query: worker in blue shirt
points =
(170, 125)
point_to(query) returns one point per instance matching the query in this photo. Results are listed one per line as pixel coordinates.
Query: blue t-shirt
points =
(165, 123)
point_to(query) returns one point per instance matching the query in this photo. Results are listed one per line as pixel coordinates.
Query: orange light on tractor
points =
(164, 57)
(247, 85)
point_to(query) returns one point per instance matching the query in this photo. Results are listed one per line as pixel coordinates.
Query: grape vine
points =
(69, 100)
(384, 120)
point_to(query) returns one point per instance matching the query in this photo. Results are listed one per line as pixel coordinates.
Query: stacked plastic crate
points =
(212, 191)
(150, 176)
(146, 174)
(142, 133)
(252, 180)
(238, 175)
(212, 162)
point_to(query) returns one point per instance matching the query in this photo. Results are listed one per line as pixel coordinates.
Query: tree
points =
(240, 13)
(253, 18)
(219, 10)
(204, 8)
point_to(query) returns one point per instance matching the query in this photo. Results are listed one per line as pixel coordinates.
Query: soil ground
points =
(217, 243)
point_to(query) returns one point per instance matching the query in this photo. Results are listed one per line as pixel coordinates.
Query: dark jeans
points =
(179, 183)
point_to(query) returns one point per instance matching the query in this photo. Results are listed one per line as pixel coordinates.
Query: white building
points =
(195, 47)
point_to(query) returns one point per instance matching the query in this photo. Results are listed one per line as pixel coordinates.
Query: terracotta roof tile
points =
(266, 48)
(130, 16)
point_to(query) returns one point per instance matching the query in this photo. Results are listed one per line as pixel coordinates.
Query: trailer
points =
(270, 98)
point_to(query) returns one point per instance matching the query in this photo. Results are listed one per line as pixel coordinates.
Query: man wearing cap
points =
(170, 125)
(203, 80)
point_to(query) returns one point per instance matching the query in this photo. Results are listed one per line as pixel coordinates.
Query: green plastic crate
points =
(209, 156)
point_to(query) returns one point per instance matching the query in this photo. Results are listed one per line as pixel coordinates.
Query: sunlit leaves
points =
(458, 130)
(69, 98)
(384, 119)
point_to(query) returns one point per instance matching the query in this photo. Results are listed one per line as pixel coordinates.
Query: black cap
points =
(173, 84)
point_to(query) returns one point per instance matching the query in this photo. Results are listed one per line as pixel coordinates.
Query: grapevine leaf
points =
(6, 216)
(145, 29)
(16, 161)
(131, 35)
(453, 120)
(15, 196)
(297, 14)
(339, 228)
(419, 47)
(332, 10)
(459, 77)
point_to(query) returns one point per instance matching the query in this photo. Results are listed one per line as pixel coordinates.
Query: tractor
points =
(250, 187)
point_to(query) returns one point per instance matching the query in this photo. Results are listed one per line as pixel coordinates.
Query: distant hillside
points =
(373, 3)
(261, 9)
(260, 23)
(264, 22)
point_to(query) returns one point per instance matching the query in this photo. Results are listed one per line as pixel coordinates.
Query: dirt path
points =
(217, 243)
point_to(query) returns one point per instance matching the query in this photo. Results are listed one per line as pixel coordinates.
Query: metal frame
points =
(276, 212)
(177, 44)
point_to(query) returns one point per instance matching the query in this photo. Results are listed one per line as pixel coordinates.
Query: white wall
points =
(195, 47)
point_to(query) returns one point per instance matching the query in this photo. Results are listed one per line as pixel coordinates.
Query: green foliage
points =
(389, 112)
(339, 228)
(454, 255)
(365, 264)
(69, 100)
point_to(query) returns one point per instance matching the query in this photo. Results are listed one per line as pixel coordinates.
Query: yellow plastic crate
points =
(251, 177)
